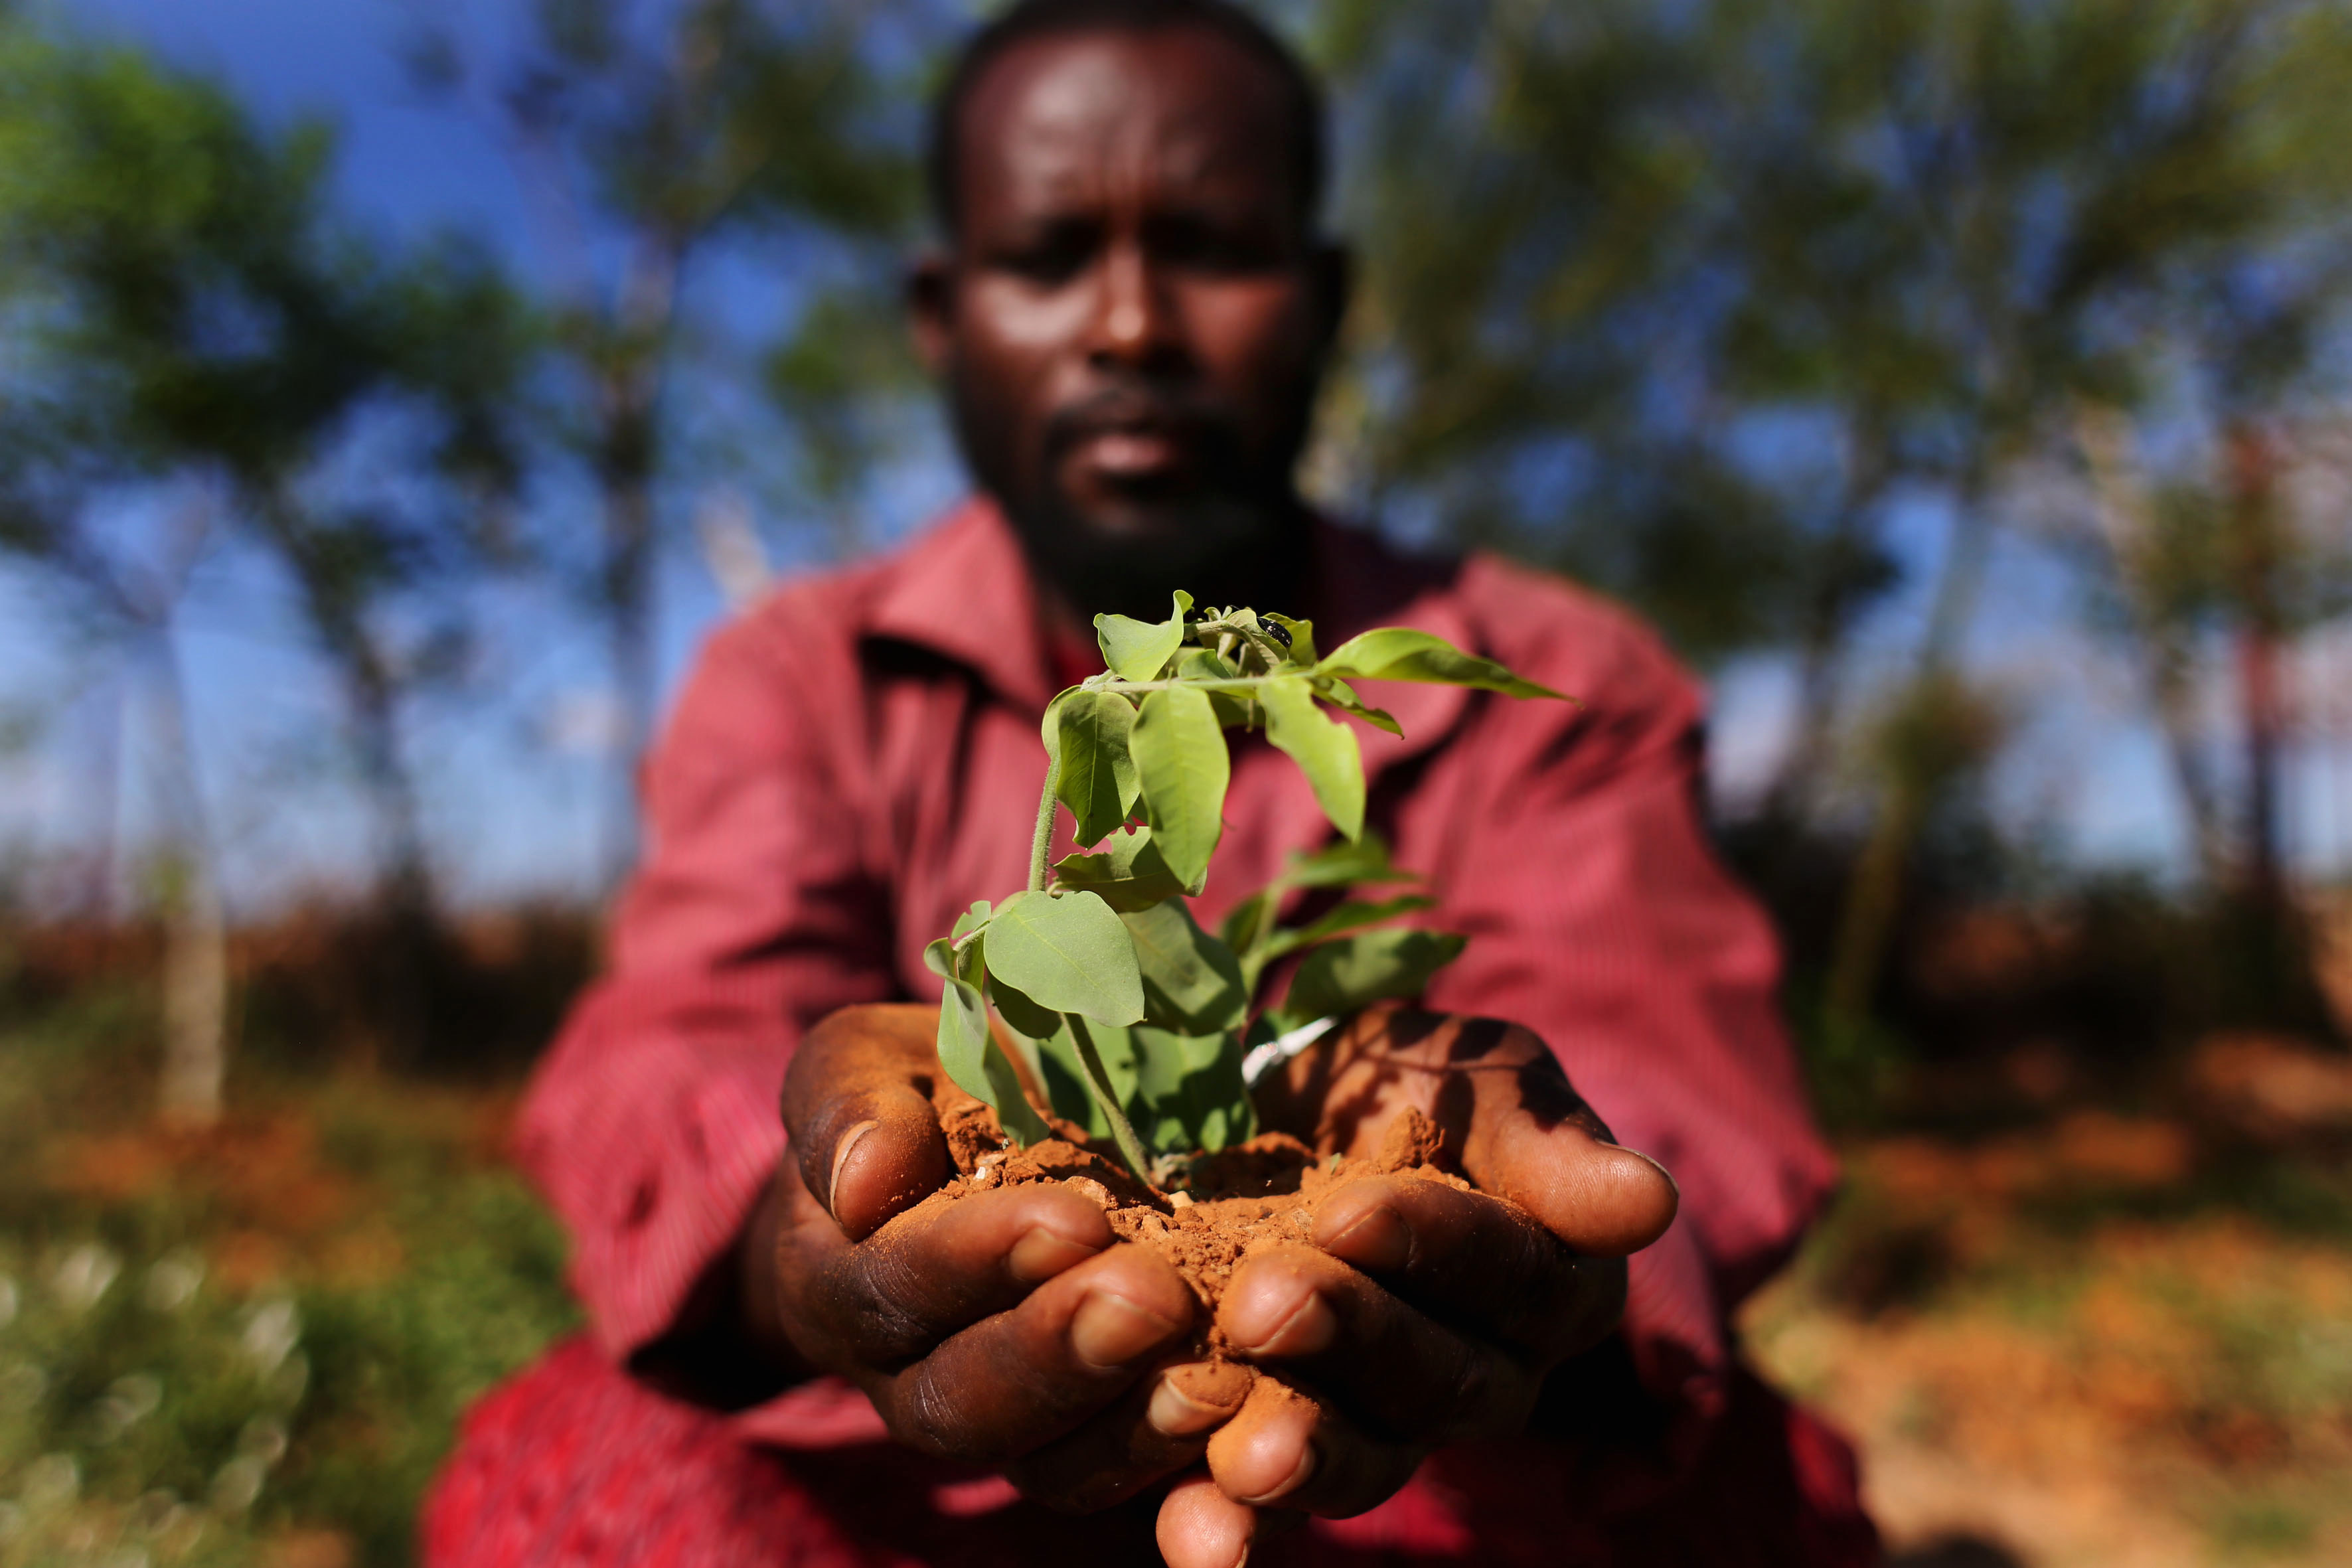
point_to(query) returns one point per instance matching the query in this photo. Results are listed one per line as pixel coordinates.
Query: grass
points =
(2080, 1329)
(251, 1346)
(2099, 1339)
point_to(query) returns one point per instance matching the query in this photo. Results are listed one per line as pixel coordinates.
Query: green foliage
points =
(1095, 776)
(1180, 763)
(156, 1401)
(1369, 966)
(1128, 1016)
(1069, 954)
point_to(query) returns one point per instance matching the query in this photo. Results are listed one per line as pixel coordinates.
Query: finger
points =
(1531, 1138)
(1284, 1449)
(863, 1133)
(1014, 1381)
(1200, 1527)
(895, 1297)
(1404, 1375)
(1156, 1428)
(1484, 1267)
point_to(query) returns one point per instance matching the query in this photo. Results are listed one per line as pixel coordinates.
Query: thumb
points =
(862, 1131)
(1603, 1199)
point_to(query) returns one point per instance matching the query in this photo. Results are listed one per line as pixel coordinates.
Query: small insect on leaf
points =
(1403, 653)
(1298, 637)
(1067, 954)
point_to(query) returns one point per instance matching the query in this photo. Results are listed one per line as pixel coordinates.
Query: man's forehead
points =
(1055, 116)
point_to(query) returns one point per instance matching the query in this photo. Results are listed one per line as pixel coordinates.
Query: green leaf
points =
(1021, 1014)
(1069, 954)
(1138, 650)
(1338, 694)
(1344, 864)
(1126, 872)
(1244, 921)
(970, 920)
(1353, 915)
(1064, 1076)
(1370, 966)
(1096, 778)
(1202, 664)
(1188, 1092)
(1191, 982)
(1403, 653)
(970, 1054)
(939, 957)
(1324, 749)
(1302, 637)
(1179, 759)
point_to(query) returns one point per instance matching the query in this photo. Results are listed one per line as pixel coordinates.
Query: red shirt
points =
(856, 759)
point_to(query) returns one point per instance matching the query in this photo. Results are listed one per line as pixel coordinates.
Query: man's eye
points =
(1055, 257)
(1212, 248)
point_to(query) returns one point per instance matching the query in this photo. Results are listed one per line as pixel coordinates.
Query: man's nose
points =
(1136, 325)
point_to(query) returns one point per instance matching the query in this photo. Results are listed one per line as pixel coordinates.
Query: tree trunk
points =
(1829, 613)
(2252, 474)
(195, 931)
(627, 459)
(1875, 892)
(2166, 657)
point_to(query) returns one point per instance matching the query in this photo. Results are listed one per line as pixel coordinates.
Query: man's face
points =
(1136, 312)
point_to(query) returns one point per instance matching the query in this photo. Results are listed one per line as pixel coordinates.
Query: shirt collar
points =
(964, 592)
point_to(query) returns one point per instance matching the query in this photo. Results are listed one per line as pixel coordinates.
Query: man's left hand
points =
(1421, 1315)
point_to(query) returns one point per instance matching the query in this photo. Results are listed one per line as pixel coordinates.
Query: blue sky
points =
(511, 781)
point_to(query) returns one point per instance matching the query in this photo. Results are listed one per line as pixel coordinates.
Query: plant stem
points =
(1130, 1147)
(1041, 843)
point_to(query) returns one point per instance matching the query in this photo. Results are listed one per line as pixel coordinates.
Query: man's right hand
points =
(1005, 1329)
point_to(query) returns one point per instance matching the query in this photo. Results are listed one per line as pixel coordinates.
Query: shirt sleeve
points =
(652, 1126)
(1600, 916)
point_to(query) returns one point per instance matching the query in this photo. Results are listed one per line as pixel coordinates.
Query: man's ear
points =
(930, 309)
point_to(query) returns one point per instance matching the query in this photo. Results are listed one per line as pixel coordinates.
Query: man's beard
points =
(1230, 529)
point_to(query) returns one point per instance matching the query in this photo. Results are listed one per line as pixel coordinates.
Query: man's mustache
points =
(1196, 422)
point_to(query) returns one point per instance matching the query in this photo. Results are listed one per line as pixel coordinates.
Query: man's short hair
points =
(1026, 19)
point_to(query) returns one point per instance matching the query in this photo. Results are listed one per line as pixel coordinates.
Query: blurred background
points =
(393, 393)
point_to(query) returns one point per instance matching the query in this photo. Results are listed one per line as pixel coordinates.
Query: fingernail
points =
(1111, 1330)
(1654, 1165)
(1040, 1255)
(1310, 1329)
(1176, 1414)
(1297, 1479)
(840, 1158)
(1377, 1238)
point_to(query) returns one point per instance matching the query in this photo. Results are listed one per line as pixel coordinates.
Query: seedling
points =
(1134, 1020)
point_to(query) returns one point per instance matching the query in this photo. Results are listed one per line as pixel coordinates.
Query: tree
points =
(1625, 258)
(194, 317)
(654, 136)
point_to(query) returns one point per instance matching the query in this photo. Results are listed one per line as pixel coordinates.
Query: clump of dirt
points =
(1221, 1209)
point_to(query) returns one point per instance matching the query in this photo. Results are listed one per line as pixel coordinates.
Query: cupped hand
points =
(1006, 1328)
(1421, 1314)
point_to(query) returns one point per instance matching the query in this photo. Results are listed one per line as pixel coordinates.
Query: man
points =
(1131, 312)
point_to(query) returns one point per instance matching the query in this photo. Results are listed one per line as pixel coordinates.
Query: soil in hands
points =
(1226, 1208)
